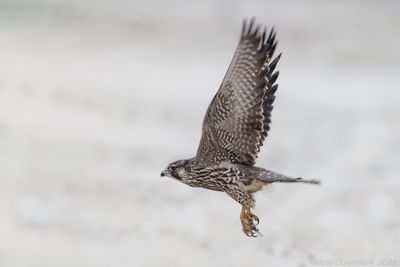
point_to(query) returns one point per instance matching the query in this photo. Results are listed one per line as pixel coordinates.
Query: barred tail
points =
(273, 177)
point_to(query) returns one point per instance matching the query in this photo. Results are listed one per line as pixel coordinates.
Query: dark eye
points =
(172, 168)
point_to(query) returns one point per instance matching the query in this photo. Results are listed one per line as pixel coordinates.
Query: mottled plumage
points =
(235, 126)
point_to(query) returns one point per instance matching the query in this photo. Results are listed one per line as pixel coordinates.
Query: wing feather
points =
(237, 120)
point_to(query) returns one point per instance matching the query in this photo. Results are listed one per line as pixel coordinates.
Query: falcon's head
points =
(179, 170)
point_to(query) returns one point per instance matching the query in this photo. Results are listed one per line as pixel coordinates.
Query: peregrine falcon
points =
(235, 126)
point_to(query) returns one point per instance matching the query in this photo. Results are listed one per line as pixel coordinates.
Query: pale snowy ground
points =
(97, 97)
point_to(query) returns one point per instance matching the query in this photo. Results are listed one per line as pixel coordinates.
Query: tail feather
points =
(273, 177)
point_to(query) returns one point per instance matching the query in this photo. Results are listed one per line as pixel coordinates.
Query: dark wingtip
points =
(251, 25)
(274, 62)
(272, 90)
(273, 78)
(244, 24)
(248, 26)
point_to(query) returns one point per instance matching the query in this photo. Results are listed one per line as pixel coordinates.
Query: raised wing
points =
(237, 120)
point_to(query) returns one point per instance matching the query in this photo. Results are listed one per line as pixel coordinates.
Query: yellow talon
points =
(249, 222)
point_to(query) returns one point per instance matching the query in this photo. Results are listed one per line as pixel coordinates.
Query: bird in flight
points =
(235, 126)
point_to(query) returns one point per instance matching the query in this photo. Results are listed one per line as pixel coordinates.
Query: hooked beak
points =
(163, 173)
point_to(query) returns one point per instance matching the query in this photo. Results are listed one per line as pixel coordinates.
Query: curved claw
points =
(249, 222)
(254, 231)
(255, 219)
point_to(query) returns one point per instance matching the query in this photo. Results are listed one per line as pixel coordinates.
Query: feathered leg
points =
(249, 220)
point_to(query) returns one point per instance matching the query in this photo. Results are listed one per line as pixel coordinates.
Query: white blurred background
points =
(97, 97)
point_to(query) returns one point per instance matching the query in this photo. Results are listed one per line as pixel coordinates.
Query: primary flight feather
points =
(235, 126)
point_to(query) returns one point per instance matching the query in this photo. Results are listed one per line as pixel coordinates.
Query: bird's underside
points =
(235, 126)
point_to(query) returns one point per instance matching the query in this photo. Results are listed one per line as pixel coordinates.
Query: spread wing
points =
(237, 120)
